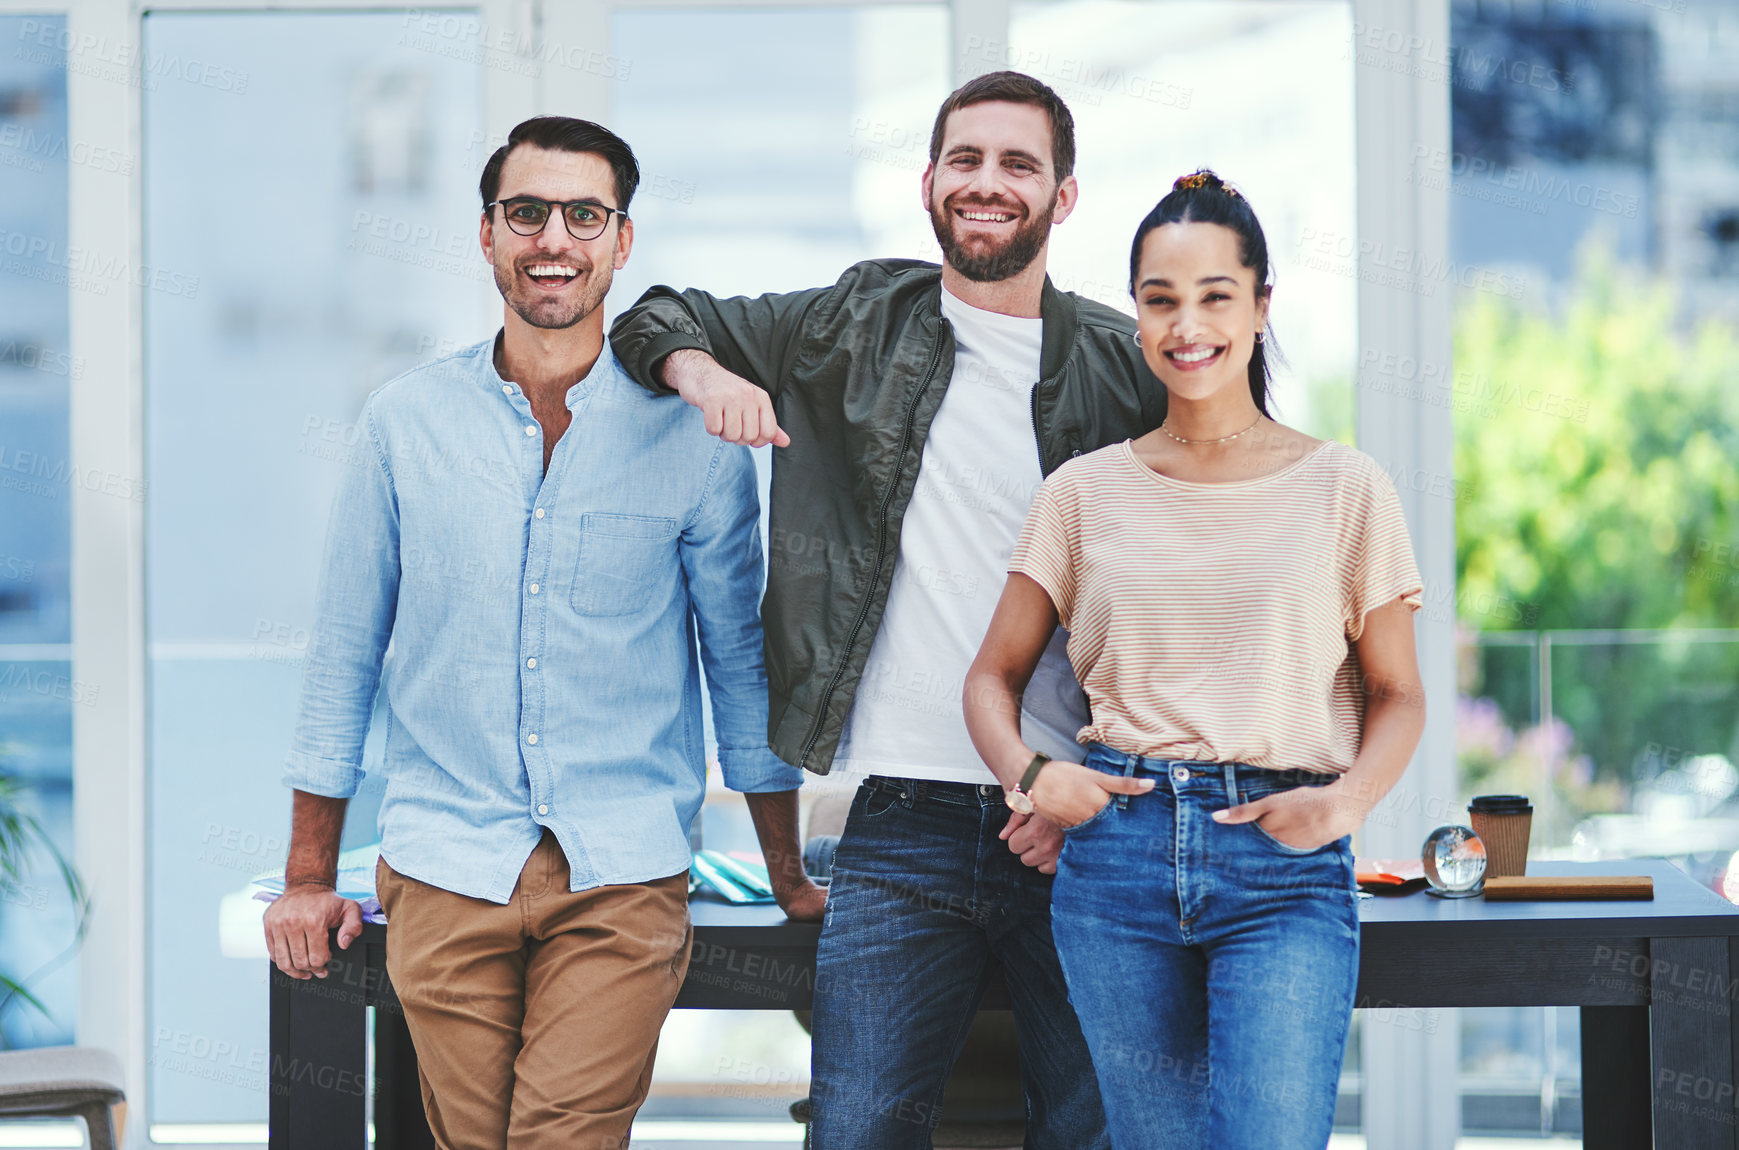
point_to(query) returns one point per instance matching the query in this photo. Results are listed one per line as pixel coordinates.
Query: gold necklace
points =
(1205, 442)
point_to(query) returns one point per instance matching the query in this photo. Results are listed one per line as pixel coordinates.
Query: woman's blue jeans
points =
(1212, 967)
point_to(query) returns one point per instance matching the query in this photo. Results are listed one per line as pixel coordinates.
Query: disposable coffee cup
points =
(1502, 822)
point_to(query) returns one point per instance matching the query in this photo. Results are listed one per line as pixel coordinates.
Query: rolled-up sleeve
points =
(359, 584)
(721, 557)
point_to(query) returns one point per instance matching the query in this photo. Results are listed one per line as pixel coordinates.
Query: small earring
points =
(1258, 337)
(1138, 339)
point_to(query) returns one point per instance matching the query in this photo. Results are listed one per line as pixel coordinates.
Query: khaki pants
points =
(535, 1023)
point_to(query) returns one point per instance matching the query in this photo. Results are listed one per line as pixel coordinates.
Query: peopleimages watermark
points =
(1401, 268)
(1725, 554)
(515, 49)
(36, 357)
(278, 642)
(26, 895)
(1405, 51)
(239, 849)
(418, 244)
(413, 233)
(1113, 294)
(1512, 185)
(1463, 390)
(1077, 79)
(120, 61)
(36, 474)
(657, 185)
(16, 570)
(27, 148)
(1715, 560)
(1698, 1096)
(45, 258)
(46, 683)
(1446, 602)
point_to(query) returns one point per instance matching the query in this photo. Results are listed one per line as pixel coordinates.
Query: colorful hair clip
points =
(1203, 178)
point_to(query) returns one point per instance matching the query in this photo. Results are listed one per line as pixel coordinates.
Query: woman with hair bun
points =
(1239, 601)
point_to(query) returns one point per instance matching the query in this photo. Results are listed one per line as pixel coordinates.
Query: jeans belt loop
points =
(1231, 784)
(1130, 762)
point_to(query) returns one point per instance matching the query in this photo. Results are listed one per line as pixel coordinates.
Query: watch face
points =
(1020, 802)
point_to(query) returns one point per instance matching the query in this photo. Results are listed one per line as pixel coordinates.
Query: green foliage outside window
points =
(1601, 450)
(1598, 447)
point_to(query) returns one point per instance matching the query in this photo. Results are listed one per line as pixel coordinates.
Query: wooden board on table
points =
(1517, 888)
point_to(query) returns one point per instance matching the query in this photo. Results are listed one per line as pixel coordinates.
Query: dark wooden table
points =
(1656, 983)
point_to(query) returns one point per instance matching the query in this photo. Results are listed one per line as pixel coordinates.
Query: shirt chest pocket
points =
(624, 560)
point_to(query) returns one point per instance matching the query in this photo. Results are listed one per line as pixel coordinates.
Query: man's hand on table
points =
(298, 922)
(774, 814)
(1037, 840)
(804, 902)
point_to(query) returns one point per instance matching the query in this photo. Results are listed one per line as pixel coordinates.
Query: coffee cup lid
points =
(1501, 805)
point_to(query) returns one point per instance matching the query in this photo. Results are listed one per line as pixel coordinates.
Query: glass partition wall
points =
(1595, 166)
(318, 214)
(39, 921)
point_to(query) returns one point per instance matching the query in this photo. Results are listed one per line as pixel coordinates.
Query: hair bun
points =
(1202, 178)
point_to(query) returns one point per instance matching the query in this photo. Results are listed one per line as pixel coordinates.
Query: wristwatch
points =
(1020, 800)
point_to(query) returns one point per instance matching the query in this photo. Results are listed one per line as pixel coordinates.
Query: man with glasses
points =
(540, 542)
(915, 410)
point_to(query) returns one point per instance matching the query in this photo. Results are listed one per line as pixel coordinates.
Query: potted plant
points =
(21, 835)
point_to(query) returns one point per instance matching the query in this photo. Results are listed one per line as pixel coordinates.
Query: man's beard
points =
(553, 312)
(988, 265)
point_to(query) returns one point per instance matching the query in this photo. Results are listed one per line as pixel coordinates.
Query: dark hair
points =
(1202, 197)
(565, 134)
(1015, 88)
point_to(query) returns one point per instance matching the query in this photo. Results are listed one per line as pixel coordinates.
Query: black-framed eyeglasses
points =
(584, 219)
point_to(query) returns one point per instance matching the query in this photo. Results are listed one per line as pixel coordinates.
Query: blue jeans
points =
(924, 898)
(1213, 967)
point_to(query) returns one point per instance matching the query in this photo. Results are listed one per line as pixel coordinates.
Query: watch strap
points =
(1032, 772)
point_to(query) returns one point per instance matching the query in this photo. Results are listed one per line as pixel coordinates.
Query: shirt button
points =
(532, 739)
(506, 389)
(1178, 774)
(538, 513)
(532, 663)
(534, 588)
(531, 429)
(543, 808)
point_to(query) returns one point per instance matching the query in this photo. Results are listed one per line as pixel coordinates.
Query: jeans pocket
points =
(873, 802)
(1286, 848)
(622, 559)
(1110, 801)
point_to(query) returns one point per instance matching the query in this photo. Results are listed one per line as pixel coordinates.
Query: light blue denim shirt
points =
(538, 632)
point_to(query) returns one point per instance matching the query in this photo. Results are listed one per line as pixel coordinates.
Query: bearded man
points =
(541, 542)
(914, 410)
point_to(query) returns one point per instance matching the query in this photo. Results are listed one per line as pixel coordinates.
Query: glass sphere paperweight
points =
(1454, 860)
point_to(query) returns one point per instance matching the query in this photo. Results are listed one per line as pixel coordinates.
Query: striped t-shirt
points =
(1214, 621)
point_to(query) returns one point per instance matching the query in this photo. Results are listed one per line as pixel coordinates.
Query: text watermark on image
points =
(54, 44)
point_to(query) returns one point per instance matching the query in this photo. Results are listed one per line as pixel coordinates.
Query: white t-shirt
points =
(979, 473)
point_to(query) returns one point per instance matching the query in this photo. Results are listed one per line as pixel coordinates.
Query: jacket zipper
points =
(881, 552)
(1038, 435)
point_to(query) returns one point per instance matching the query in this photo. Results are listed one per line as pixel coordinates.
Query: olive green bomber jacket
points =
(857, 371)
